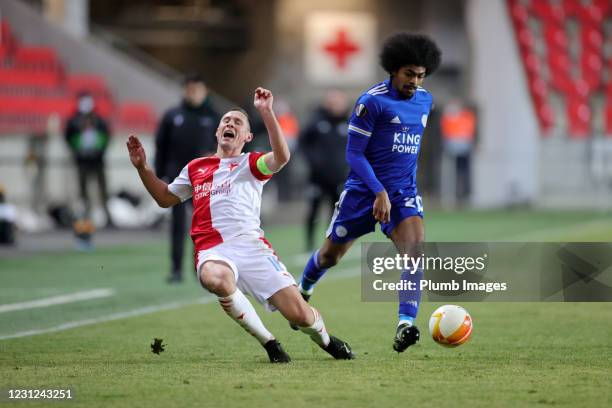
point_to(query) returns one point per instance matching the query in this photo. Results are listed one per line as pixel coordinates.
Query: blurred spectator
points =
(323, 142)
(88, 136)
(288, 123)
(458, 125)
(8, 214)
(291, 127)
(185, 132)
(35, 165)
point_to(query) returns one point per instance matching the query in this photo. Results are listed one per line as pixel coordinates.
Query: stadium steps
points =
(34, 85)
(568, 65)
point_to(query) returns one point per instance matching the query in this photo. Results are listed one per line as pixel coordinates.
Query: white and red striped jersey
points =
(226, 197)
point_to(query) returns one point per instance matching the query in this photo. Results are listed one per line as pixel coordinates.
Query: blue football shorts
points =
(353, 214)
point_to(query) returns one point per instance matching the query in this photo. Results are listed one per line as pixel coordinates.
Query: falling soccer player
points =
(385, 133)
(232, 255)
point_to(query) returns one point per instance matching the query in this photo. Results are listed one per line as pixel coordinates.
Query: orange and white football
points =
(450, 325)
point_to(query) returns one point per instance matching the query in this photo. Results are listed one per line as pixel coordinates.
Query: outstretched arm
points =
(361, 127)
(155, 186)
(279, 156)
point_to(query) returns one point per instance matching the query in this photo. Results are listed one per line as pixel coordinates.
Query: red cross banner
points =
(340, 48)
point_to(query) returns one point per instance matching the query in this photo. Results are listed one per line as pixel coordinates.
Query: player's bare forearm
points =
(154, 185)
(157, 187)
(279, 156)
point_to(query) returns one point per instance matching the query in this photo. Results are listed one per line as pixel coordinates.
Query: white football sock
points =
(238, 307)
(317, 331)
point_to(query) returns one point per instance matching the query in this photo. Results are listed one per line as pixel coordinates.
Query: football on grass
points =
(450, 325)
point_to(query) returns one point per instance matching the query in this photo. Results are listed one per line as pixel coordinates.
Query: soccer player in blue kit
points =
(385, 133)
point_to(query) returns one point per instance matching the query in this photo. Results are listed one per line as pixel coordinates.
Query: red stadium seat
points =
(579, 118)
(591, 38)
(575, 81)
(533, 65)
(30, 114)
(94, 84)
(518, 13)
(525, 40)
(38, 58)
(137, 116)
(18, 77)
(591, 15)
(605, 7)
(546, 117)
(538, 89)
(8, 42)
(4, 53)
(559, 65)
(571, 7)
(548, 12)
(555, 37)
(6, 34)
(591, 65)
(33, 86)
(61, 106)
(577, 89)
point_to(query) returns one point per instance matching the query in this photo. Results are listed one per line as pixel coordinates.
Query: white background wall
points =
(506, 162)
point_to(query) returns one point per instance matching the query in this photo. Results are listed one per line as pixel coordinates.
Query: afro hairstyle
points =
(403, 49)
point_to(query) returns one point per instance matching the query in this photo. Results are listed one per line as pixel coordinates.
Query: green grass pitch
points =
(520, 354)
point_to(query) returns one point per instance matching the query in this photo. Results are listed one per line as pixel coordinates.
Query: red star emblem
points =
(240, 317)
(232, 166)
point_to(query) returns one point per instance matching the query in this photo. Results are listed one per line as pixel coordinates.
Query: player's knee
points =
(414, 241)
(216, 280)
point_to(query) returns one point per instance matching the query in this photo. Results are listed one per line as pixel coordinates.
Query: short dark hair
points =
(239, 109)
(403, 49)
(193, 77)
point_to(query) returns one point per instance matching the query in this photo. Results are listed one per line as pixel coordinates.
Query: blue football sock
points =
(409, 300)
(312, 273)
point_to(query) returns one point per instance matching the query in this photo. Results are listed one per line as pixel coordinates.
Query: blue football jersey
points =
(394, 126)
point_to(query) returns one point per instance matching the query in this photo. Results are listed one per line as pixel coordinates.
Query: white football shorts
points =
(257, 269)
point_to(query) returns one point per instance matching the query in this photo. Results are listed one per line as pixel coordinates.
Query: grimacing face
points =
(234, 130)
(408, 78)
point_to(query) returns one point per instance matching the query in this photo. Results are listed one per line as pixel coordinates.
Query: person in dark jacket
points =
(87, 135)
(185, 132)
(323, 142)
